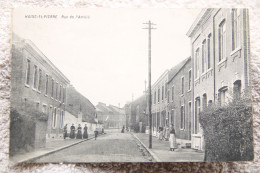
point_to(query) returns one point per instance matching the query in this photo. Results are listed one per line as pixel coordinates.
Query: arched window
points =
(237, 89)
(204, 101)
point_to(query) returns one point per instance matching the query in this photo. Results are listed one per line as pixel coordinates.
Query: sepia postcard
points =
(130, 85)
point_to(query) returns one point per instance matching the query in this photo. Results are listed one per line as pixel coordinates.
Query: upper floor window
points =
(28, 72)
(209, 47)
(64, 95)
(159, 95)
(56, 91)
(168, 96)
(40, 80)
(222, 40)
(162, 92)
(154, 97)
(165, 90)
(203, 56)
(35, 77)
(60, 93)
(182, 85)
(52, 88)
(172, 93)
(197, 54)
(235, 28)
(189, 79)
(46, 84)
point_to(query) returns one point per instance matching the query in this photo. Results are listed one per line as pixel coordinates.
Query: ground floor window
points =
(54, 118)
(182, 117)
(196, 115)
(62, 119)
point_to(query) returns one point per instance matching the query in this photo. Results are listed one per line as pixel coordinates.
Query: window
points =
(60, 92)
(28, 72)
(196, 115)
(182, 85)
(182, 117)
(40, 80)
(56, 91)
(189, 79)
(46, 84)
(64, 94)
(168, 96)
(158, 95)
(203, 56)
(222, 40)
(235, 28)
(204, 101)
(44, 108)
(209, 45)
(62, 119)
(197, 53)
(35, 77)
(52, 88)
(162, 92)
(222, 95)
(172, 93)
(189, 112)
(155, 97)
(172, 117)
(237, 89)
(165, 90)
(54, 118)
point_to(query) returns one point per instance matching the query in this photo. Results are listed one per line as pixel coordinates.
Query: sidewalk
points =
(51, 147)
(162, 150)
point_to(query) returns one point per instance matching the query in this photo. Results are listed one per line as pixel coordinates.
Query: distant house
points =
(111, 116)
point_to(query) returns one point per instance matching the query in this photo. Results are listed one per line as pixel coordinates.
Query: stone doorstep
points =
(45, 153)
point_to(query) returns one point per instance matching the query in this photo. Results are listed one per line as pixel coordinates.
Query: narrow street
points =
(111, 147)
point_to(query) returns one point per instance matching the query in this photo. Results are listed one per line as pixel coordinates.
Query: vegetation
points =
(228, 131)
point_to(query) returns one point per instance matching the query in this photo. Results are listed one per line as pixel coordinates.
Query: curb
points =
(30, 160)
(149, 151)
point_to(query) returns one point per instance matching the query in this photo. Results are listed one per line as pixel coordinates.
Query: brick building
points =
(220, 61)
(38, 91)
(159, 102)
(179, 100)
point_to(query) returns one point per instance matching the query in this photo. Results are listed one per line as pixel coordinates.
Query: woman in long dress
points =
(79, 134)
(172, 139)
(85, 134)
(72, 131)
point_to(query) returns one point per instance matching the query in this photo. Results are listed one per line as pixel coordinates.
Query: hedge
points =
(22, 130)
(228, 131)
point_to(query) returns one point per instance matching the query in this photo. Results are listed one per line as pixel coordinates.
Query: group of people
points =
(168, 134)
(79, 134)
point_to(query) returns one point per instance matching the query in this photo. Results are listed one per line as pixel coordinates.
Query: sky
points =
(104, 52)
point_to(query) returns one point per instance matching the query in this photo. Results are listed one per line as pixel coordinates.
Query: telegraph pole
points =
(149, 81)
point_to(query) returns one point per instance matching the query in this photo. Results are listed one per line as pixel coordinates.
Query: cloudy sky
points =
(104, 52)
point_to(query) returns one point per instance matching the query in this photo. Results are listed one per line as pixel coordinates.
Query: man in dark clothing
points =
(72, 131)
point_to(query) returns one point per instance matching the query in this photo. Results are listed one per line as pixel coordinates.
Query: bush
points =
(228, 131)
(22, 130)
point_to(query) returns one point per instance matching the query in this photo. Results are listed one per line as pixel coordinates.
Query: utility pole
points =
(150, 24)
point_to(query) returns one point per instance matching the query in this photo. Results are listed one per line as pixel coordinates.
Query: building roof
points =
(174, 71)
(17, 40)
(199, 20)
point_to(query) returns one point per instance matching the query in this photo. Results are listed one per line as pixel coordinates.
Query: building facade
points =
(220, 61)
(38, 92)
(159, 102)
(111, 116)
(179, 100)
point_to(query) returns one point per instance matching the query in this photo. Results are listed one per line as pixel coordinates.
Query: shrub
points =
(228, 131)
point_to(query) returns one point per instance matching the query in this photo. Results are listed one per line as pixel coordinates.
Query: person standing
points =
(85, 134)
(79, 134)
(160, 133)
(72, 131)
(123, 129)
(65, 132)
(172, 139)
(96, 133)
